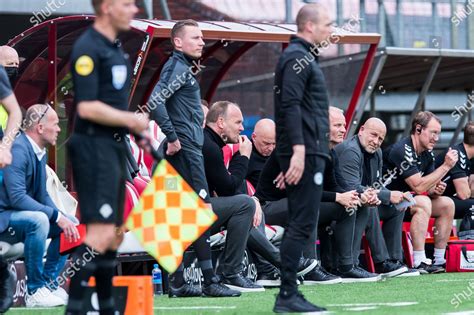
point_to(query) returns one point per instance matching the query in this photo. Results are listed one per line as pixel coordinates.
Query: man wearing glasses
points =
(411, 164)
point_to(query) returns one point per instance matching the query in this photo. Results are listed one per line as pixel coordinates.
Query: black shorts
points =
(462, 207)
(99, 166)
(190, 166)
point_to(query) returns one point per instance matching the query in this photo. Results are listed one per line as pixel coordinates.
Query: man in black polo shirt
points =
(457, 179)
(263, 140)
(409, 166)
(101, 75)
(301, 114)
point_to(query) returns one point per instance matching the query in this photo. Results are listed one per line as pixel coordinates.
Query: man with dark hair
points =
(101, 74)
(301, 114)
(457, 179)
(360, 163)
(411, 165)
(177, 102)
(8, 99)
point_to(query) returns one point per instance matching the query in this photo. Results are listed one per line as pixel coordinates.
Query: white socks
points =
(439, 256)
(419, 256)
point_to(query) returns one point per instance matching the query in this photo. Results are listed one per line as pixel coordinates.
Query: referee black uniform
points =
(100, 72)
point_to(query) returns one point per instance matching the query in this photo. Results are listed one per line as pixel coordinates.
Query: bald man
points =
(301, 115)
(360, 164)
(263, 140)
(27, 212)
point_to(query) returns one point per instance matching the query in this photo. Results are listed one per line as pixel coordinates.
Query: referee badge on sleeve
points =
(84, 65)
(119, 76)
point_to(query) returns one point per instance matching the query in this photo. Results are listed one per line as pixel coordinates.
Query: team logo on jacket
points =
(119, 76)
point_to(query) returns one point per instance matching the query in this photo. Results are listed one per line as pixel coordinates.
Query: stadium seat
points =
(131, 199)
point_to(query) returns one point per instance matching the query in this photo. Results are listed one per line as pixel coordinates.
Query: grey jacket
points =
(351, 166)
(176, 103)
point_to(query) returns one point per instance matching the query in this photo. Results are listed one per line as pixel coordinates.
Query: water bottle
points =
(157, 280)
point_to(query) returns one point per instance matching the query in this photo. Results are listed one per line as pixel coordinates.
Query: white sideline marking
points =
(33, 308)
(194, 307)
(375, 304)
(454, 280)
(460, 313)
(363, 308)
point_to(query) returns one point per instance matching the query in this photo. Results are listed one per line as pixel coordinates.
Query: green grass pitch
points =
(429, 294)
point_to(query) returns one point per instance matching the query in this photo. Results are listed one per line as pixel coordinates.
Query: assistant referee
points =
(101, 75)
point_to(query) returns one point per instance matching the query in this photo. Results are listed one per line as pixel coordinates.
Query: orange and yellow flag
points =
(169, 217)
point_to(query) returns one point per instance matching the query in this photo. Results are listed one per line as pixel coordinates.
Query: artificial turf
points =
(429, 294)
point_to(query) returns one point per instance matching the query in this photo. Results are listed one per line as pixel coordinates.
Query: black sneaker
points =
(295, 303)
(306, 265)
(319, 275)
(186, 290)
(390, 269)
(242, 284)
(217, 289)
(7, 289)
(269, 279)
(358, 274)
(425, 268)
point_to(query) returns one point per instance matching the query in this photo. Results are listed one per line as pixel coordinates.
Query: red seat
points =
(131, 199)
(140, 184)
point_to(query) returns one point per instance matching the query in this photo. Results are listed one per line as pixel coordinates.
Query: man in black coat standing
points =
(301, 113)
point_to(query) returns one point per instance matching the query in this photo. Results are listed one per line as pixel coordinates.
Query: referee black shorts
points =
(99, 166)
(190, 166)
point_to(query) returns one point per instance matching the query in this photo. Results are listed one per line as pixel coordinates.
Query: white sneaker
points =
(43, 298)
(62, 294)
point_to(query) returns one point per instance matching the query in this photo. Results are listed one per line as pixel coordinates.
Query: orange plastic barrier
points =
(140, 293)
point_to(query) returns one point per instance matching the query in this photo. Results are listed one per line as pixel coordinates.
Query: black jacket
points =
(267, 191)
(222, 181)
(301, 101)
(256, 163)
(176, 103)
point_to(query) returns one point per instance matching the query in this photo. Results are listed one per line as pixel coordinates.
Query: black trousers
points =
(276, 212)
(303, 206)
(462, 207)
(235, 214)
(338, 223)
(385, 242)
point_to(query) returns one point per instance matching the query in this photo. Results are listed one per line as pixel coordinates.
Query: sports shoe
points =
(390, 269)
(7, 289)
(295, 303)
(217, 289)
(60, 293)
(425, 268)
(412, 272)
(358, 274)
(241, 283)
(319, 275)
(43, 298)
(269, 279)
(186, 290)
(306, 265)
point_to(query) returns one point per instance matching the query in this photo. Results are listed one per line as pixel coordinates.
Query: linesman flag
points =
(169, 217)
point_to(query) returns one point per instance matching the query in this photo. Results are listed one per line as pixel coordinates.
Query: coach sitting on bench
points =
(360, 163)
(27, 213)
